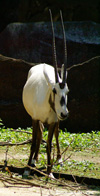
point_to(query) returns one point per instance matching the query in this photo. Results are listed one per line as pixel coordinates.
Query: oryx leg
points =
(49, 140)
(33, 147)
(57, 141)
(59, 159)
(39, 138)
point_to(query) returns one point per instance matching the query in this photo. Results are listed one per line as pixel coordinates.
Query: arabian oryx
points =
(45, 100)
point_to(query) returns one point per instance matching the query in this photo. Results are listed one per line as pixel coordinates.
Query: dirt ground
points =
(35, 191)
(17, 190)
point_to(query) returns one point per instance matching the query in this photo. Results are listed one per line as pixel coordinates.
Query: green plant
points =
(83, 148)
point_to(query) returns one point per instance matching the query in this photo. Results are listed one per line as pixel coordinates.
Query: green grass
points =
(84, 149)
(7, 135)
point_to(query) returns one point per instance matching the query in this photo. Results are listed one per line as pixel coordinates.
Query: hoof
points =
(33, 163)
(51, 176)
(26, 174)
(60, 162)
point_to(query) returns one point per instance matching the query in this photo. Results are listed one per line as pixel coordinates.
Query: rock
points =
(33, 41)
(84, 97)
(30, 11)
(13, 74)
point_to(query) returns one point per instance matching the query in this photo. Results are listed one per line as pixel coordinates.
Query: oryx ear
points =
(49, 82)
(62, 71)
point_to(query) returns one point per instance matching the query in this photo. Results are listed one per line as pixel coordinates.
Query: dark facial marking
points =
(62, 85)
(62, 101)
(52, 102)
(54, 91)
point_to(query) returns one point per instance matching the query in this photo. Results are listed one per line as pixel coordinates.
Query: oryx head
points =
(58, 97)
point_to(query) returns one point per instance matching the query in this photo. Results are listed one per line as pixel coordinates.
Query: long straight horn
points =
(54, 50)
(65, 48)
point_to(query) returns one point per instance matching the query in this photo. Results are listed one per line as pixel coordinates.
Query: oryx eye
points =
(54, 91)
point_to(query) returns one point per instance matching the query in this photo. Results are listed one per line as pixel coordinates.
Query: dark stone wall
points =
(34, 11)
(13, 75)
(83, 98)
(33, 41)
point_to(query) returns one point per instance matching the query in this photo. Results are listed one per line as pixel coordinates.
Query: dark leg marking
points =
(53, 128)
(34, 139)
(39, 138)
(57, 141)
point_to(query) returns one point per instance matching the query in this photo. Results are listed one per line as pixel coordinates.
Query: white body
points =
(36, 93)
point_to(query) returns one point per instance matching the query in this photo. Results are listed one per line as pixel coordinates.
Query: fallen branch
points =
(79, 64)
(17, 181)
(19, 143)
(67, 147)
(16, 144)
(59, 182)
(16, 130)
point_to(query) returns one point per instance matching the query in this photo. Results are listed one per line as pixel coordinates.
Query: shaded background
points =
(37, 10)
(21, 38)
